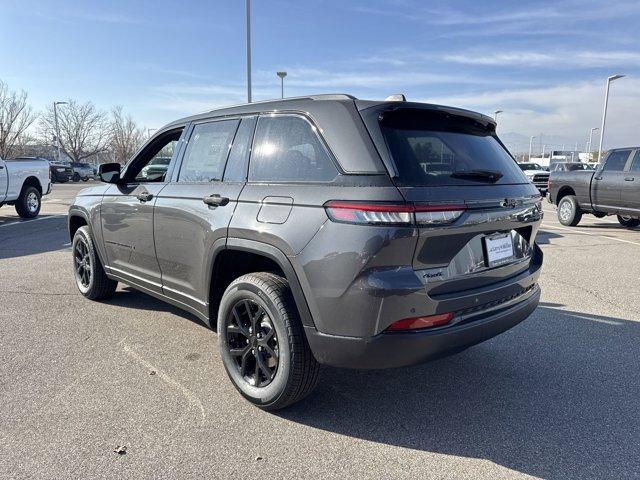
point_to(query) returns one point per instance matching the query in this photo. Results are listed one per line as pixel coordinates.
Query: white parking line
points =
(22, 222)
(591, 234)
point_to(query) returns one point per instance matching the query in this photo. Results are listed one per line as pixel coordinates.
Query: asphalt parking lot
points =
(556, 397)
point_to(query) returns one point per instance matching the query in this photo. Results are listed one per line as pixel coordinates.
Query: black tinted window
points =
(286, 148)
(635, 166)
(207, 151)
(617, 160)
(434, 148)
(236, 170)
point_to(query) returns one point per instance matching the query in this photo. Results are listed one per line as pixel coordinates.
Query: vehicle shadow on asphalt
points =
(129, 297)
(556, 397)
(20, 238)
(544, 236)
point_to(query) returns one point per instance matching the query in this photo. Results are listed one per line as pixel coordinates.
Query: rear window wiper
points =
(490, 175)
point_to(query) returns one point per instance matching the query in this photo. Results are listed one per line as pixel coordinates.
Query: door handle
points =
(629, 179)
(597, 178)
(216, 200)
(144, 196)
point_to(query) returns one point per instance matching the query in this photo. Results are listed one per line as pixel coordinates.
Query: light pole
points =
(604, 112)
(55, 121)
(495, 115)
(281, 74)
(248, 9)
(544, 147)
(149, 130)
(591, 139)
(531, 145)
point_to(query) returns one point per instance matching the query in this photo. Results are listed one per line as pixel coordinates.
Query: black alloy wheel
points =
(252, 343)
(82, 263)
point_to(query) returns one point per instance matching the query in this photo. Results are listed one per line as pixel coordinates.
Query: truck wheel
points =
(91, 279)
(28, 203)
(76, 177)
(628, 222)
(262, 343)
(569, 213)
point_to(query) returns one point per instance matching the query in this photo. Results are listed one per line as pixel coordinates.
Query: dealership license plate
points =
(499, 249)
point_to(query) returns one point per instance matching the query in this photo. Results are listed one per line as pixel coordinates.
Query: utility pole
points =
(604, 111)
(55, 121)
(248, 9)
(281, 74)
(591, 139)
(531, 145)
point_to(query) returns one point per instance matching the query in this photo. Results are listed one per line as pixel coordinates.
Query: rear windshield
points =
(438, 148)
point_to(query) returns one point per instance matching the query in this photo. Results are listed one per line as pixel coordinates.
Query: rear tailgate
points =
(480, 213)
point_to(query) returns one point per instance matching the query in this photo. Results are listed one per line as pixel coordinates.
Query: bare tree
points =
(126, 136)
(16, 116)
(83, 130)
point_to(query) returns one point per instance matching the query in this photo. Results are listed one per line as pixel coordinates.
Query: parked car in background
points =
(612, 189)
(570, 166)
(320, 230)
(82, 171)
(155, 169)
(61, 172)
(536, 175)
(23, 182)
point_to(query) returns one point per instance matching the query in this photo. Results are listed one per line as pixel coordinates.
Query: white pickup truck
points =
(23, 183)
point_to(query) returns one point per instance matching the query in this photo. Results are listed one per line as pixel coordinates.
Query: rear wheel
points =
(90, 277)
(76, 177)
(628, 222)
(262, 343)
(569, 213)
(28, 203)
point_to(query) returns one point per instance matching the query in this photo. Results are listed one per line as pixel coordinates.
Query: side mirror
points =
(109, 172)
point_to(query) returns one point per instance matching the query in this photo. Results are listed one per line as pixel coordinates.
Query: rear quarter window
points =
(286, 148)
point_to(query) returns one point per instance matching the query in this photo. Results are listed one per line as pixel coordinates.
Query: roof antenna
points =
(396, 97)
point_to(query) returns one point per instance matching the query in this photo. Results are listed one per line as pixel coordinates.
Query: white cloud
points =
(567, 110)
(564, 59)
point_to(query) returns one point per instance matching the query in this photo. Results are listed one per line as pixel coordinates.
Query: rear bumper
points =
(398, 349)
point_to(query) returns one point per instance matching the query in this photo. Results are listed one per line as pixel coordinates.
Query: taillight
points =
(417, 323)
(438, 214)
(372, 213)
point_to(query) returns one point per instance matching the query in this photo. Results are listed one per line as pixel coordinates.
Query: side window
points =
(616, 161)
(236, 170)
(635, 166)
(207, 151)
(287, 148)
(153, 162)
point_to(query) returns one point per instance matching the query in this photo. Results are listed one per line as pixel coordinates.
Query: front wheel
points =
(262, 343)
(91, 279)
(29, 202)
(628, 222)
(569, 213)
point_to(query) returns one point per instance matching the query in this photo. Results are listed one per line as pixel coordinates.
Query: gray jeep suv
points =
(320, 230)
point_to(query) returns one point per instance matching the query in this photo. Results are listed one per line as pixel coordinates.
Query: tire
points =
(76, 177)
(257, 316)
(628, 222)
(84, 179)
(29, 202)
(569, 213)
(90, 277)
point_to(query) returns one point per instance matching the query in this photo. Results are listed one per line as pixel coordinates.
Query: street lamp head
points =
(61, 103)
(497, 112)
(281, 74)
(615, 77)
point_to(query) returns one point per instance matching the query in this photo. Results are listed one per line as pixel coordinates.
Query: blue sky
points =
(543, 63)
